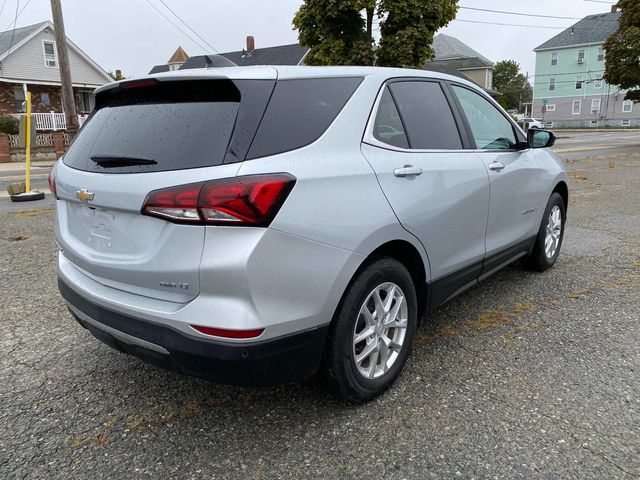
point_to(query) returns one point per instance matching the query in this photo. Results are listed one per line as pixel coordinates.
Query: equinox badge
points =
(84, 195)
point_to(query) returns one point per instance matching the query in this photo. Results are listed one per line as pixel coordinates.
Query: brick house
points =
(29, 61)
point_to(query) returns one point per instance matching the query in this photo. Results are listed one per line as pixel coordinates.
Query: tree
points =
(622, 64)
(340, 32)
(512, 85)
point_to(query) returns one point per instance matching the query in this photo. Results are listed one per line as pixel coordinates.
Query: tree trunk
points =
(370, 12)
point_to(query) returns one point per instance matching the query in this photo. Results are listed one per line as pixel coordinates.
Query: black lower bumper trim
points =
(263, 363)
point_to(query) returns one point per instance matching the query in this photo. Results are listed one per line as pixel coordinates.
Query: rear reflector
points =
(222, 332)
(52, 183)
(240, 201)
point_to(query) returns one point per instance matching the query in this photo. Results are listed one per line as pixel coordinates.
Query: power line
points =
(507, 24)
(15, 19)
(2, 8)
(518, 13)
(176, 26)
(19, 13)
(187, 25)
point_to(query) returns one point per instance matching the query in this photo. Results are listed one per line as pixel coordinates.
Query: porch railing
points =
(51, 121)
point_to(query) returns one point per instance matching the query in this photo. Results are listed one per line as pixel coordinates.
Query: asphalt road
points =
(526, 376)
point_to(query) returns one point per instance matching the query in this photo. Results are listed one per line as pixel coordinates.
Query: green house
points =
(568, 87)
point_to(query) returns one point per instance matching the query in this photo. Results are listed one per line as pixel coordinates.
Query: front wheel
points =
(372, 331)
(549, 239)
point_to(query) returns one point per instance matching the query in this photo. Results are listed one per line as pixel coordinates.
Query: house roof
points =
(592, 29)
(159, 69)
(179, 56)
(448, 48)
(281, 55)
(19, 34)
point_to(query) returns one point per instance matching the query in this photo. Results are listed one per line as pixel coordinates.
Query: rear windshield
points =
(171, 126)
(176, 125)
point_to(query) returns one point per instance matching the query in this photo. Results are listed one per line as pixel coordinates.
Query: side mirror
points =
(540, 138)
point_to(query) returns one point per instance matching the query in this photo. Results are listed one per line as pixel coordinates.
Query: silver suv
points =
(258, 225)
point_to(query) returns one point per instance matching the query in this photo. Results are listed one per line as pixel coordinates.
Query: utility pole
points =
(68, 100)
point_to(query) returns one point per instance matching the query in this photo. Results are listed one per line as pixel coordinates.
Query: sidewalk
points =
(20, 166)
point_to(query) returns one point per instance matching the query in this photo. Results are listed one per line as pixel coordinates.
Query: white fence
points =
(52, 121)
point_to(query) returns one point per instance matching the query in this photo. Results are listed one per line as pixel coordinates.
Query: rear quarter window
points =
(299, 112)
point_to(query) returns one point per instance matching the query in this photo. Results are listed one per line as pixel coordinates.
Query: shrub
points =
(9, 125)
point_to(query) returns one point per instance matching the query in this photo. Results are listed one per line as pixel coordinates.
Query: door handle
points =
(407, 171)
(496, 166)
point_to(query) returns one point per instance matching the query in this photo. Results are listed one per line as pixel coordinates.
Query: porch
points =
(50, 122)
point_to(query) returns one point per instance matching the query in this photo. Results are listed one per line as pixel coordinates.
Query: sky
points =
(132, 36)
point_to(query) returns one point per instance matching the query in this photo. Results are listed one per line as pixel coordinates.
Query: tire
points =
(363, 381)
(541, 257)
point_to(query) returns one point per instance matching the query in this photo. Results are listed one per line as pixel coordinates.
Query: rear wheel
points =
(549, 239)
(372, 331)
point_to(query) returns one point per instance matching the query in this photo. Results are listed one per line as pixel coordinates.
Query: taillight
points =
(241, 201)
(225, 333)
(52, 183)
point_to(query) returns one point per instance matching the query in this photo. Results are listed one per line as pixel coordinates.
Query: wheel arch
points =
(562, 189)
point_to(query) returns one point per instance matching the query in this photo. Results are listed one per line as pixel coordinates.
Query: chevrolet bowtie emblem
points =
(84, 195)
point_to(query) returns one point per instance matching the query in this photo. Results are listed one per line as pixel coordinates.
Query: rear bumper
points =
(269, 362)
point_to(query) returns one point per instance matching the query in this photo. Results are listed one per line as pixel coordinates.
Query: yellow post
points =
(27, 137)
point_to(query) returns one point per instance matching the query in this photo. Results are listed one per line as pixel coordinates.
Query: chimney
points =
(118, 74)
(614, 8)
(251, 44)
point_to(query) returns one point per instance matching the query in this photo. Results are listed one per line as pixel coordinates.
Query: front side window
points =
(554, 59)
(490, 129)
(426, 115)
(579, 82)
(595, 105)
(552, 84)
(575, 109)
(388, 126)
(49, 53)
(627, 106)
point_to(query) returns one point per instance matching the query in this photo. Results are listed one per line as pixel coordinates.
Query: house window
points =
(626, 123)
(554, 58)
(580, 56)
(551, 107)
(548, 125)
(595, 105)
(87, 102)
(49, 53)
(552, 84)
(600, 57)
(577, 105)
(597, 83)
(579, 82)
(593, 123)
(18, 93)
(627, 106)
(45, 100)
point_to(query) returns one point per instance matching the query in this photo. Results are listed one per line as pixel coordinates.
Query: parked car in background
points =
(531, 122)
(259, 225)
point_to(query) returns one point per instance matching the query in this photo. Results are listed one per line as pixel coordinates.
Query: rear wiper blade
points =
(107, 161)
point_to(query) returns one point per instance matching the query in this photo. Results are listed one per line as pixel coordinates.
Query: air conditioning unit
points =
(580, 59)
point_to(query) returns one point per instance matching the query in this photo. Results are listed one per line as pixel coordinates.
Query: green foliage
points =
(622, 49)
(9, 125)
(513, 85)
(337, 32)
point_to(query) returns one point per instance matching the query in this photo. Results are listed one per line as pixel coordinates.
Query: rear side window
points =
(299, 112)
(388, 126)
(427, 116)
(170, 126)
